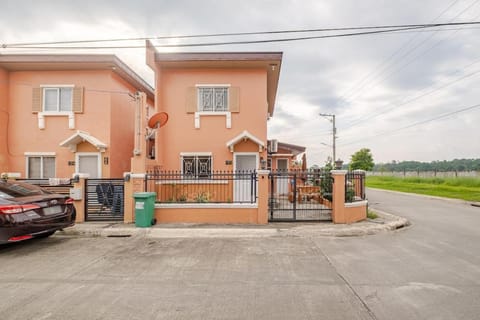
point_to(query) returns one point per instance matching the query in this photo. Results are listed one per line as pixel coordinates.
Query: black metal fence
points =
(300, 196)
(216, 187)
(104, 199)
(355, 186)
(61, 186)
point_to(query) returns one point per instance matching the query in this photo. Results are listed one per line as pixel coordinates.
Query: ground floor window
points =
(40, 166)
(197, 166)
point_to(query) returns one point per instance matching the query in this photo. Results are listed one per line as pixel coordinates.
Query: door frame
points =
(237, 183)
(235, 154)
(99, 162)
(282, 184)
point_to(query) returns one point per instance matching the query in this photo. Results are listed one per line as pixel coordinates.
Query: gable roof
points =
(294, 149)
(42, 62)
(245, 135)
(82, 136)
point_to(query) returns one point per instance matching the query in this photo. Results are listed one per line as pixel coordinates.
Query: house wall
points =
(180, 134)
(186, 214)
(23, 124)
(4, 83)
(122, 115)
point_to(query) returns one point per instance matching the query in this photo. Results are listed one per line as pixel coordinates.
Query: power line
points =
(445, 115)
(382, 75)
(382, 65)
(421, 95)
(377, 30)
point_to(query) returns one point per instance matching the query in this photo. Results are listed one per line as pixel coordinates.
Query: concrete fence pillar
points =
(262, 191)
(80, 204)
(134, 182)
(338, 196)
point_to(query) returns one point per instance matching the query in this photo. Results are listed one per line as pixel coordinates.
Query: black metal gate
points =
(300, 196)
(104, 199)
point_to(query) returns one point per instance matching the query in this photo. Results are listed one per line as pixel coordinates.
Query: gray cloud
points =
(342, 76)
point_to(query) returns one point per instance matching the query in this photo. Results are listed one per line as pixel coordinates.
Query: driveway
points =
(430, 270)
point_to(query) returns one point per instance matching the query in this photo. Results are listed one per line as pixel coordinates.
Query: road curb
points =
(385, 222)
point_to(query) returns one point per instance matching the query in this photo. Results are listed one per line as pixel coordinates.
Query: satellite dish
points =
(158, 120)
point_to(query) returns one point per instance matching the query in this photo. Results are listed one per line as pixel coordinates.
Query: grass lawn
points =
(457, 188)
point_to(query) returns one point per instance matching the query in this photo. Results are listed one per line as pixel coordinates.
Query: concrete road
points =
(430, 270)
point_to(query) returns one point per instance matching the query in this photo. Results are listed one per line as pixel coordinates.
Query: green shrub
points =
(371, 215)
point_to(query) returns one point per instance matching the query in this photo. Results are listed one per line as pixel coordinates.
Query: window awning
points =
(245, 135)
(82, 136)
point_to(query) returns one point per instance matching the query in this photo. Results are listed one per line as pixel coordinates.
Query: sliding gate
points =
(300, 196)
(104, 199)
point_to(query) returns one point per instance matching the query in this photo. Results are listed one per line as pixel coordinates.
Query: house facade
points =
(284, 156)
(67, 114)
(218, 105)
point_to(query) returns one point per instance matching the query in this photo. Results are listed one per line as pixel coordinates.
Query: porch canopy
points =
(82, 136)
(244, 136)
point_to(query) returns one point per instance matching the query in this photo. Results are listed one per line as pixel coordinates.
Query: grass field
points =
(456, 188)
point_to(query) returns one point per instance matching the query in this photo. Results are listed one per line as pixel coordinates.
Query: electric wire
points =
(383, 29)
(390, 132)
(390, 70)
(382, 65)
(415, 98)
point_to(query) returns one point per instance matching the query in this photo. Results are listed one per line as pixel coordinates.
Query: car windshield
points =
(15, 189)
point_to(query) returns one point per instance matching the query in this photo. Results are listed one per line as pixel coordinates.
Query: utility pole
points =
(334, 133)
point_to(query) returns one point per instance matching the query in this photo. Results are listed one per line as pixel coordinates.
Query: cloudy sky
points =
(410, 95)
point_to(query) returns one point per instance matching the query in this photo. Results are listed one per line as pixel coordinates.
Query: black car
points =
(28, 211)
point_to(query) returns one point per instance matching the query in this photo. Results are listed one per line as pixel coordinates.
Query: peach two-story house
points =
(67, 114)
(218, 106)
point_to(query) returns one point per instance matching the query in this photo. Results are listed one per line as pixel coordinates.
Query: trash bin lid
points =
(144, 195)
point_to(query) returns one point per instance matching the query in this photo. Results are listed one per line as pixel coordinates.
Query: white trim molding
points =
(99, 162)
(356, 204)
(245, 135)
(57, 85)
(226, 114)
(206, 205)
(192, 154)
(47, 154)
(217, 85)
(81, 136)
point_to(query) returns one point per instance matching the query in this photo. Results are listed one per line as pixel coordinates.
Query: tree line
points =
(452, 165)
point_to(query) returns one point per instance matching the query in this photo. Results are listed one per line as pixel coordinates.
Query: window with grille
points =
(40, 167)
(57, 99)
(213, 99)
(197, 166)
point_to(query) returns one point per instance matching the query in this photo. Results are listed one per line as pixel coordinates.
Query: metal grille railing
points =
(63, 188)
(104, 199)
(216, 187)
(300, 196)
(355, 186)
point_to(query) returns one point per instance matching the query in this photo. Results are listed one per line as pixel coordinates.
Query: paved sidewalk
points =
(385, 222)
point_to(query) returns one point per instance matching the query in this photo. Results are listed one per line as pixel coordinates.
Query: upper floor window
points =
(57, 99)
(213, 99)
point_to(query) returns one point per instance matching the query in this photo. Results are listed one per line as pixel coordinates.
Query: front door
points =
(89, 163)
(283, 180)
(245, 163)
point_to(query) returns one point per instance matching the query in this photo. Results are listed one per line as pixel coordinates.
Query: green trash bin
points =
(144, 209)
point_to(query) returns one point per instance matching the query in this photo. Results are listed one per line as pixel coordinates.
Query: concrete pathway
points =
(384, 222)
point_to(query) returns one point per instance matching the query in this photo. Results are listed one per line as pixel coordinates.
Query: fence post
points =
(80, 204)
(338, 196)
(134, 183)
(262, 202)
